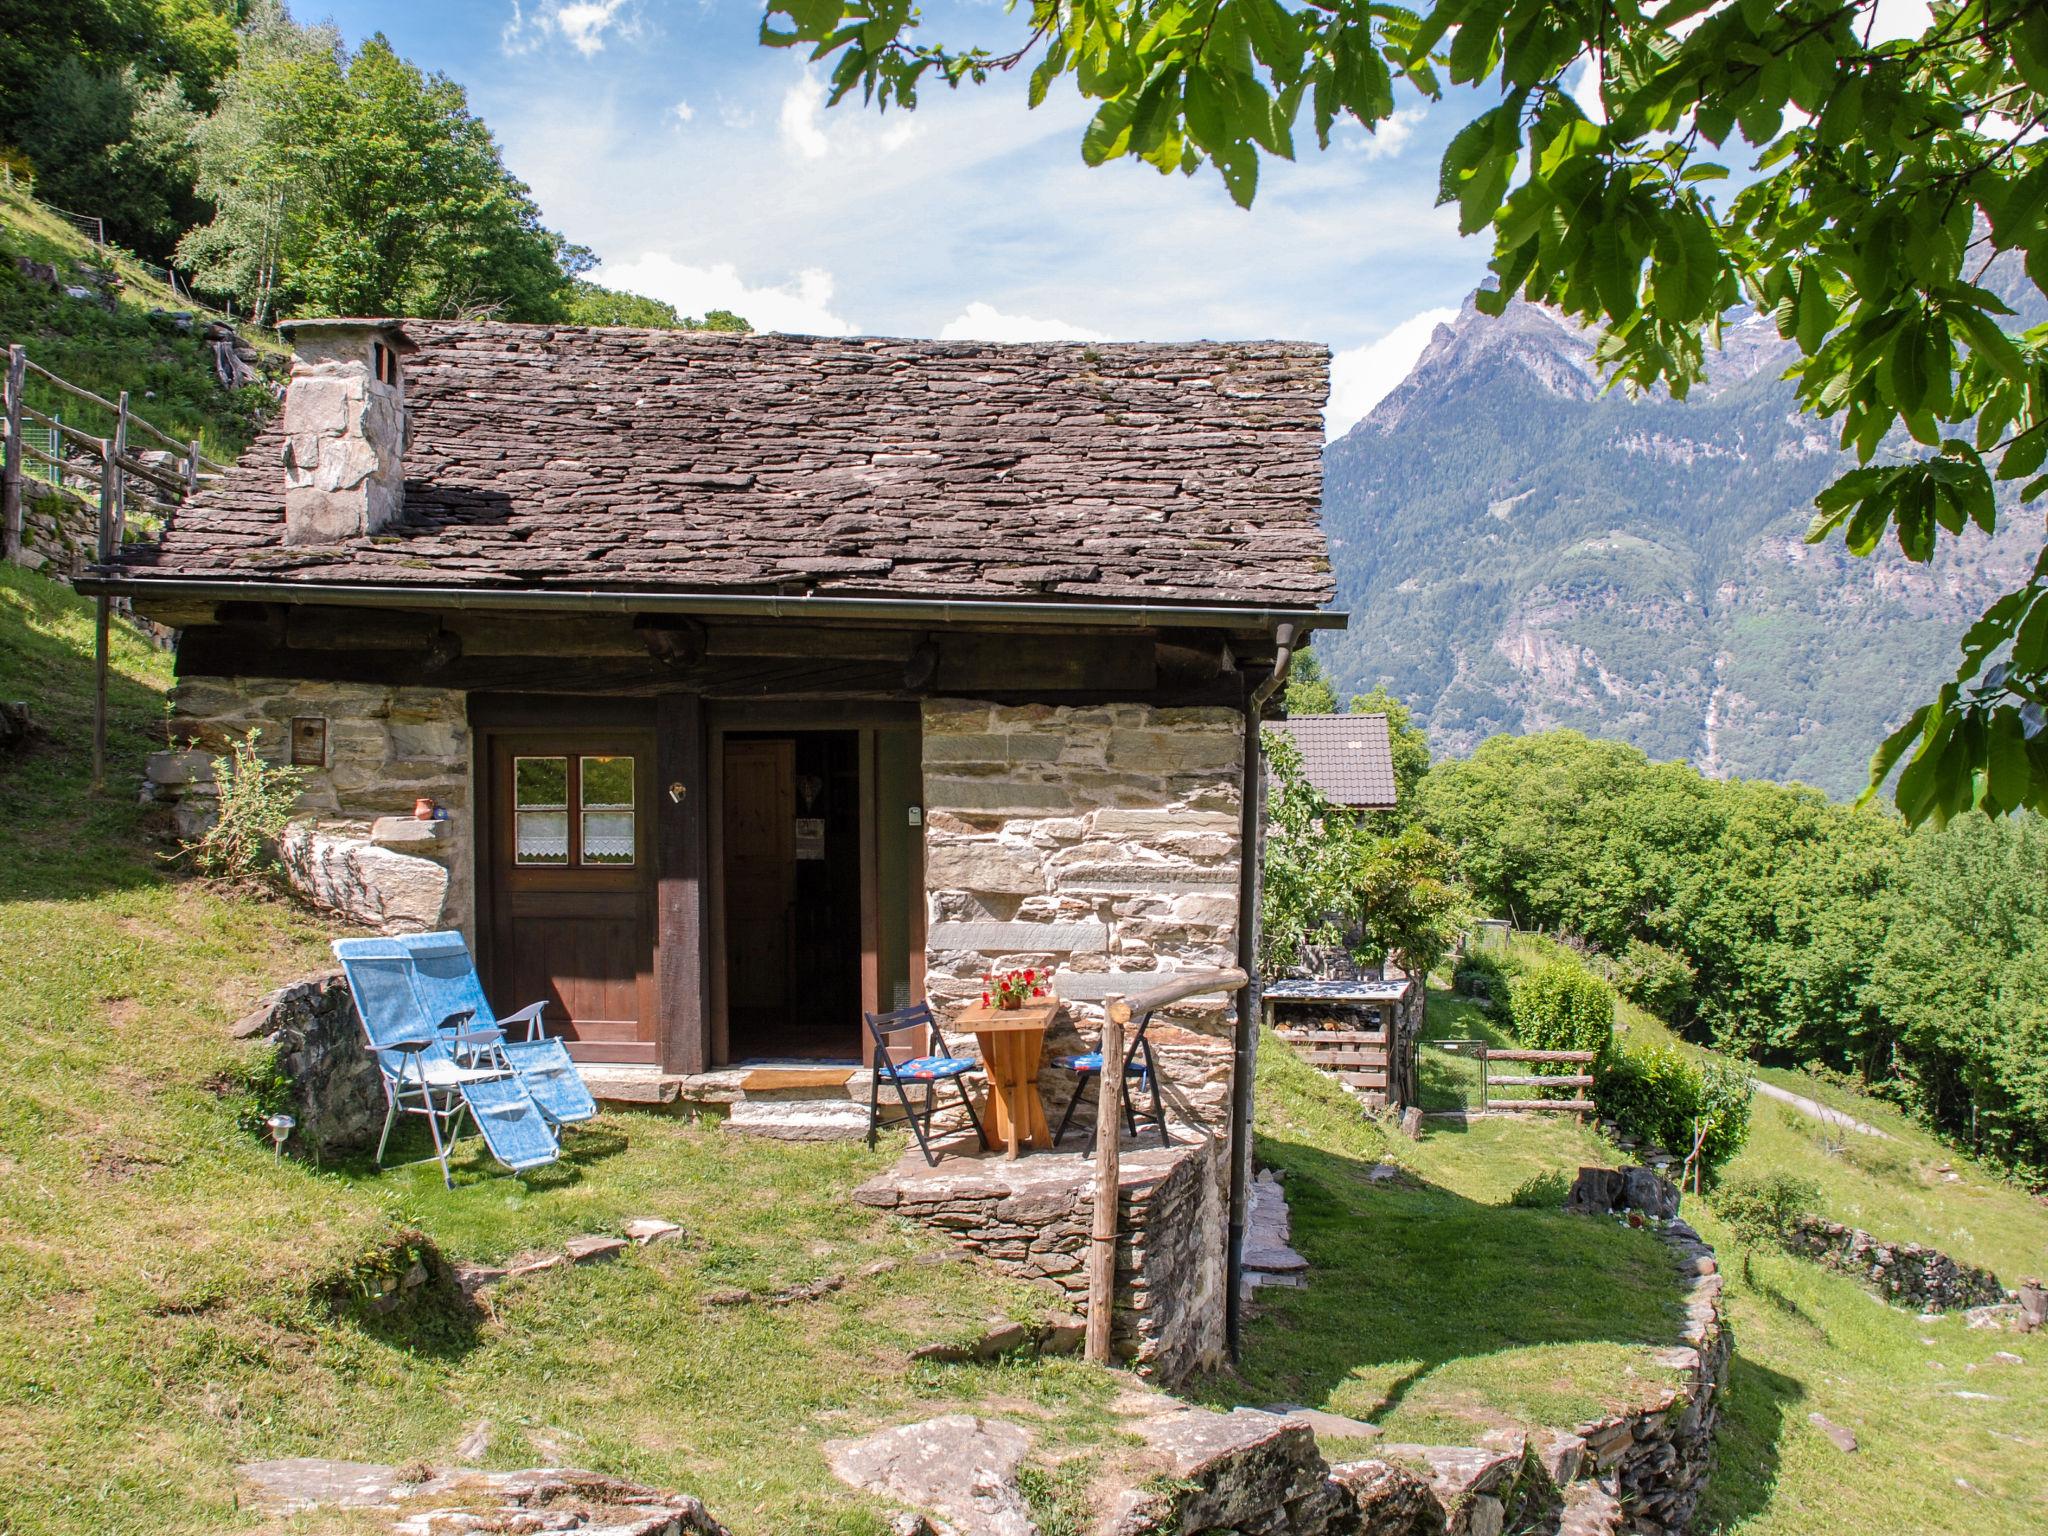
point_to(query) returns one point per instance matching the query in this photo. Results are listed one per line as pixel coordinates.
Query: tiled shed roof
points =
(569, 457)
(1348, 757)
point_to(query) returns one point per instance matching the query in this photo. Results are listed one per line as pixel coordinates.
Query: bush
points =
(1656, 979)
(1541, 1191)
(1762, 1209)
(256, 803)
(1659, 1095)
(1562, 1006)
(1484, 973)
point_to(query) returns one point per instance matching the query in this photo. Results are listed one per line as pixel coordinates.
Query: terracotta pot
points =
(423, 808)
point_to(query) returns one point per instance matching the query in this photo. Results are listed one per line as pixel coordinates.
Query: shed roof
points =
(1350, 758)
(600, 459)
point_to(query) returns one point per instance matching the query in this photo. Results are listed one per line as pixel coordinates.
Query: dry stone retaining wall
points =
(1032, 1218)
(1100, 843)
(1910, 1274)
(356, 850)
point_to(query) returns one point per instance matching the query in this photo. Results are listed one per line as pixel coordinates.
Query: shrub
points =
(1660, 1095)
(1656, 979)
(1541, 1191)
(1485, 973)
(1562, 1006)
(256, 801)
(1762, 1209)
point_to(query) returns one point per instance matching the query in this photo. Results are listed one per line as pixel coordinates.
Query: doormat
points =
(778, 1079)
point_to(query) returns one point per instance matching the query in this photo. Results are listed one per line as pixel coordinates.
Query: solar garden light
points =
(280, 1127)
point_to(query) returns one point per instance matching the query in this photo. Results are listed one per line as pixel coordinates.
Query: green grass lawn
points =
(1435, 1308)
(162, 1266)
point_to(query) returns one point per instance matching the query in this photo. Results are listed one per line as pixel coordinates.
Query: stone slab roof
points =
(568, 457)
(1350, 758)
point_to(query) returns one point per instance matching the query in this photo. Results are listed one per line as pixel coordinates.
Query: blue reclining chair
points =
(446, 980)
(439, 1073)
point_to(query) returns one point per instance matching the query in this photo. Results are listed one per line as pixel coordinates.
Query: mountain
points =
(1520, 550)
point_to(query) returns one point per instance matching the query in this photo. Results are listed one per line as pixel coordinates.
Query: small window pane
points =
(543, 837)
(608, 783)
(607, 837)
(541, 784)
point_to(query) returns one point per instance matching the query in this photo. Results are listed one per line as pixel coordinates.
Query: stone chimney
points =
(345, 429)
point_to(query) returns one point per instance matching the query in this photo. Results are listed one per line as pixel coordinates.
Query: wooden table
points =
(1012, 1040)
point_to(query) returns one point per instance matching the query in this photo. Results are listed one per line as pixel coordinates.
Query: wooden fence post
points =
(192, 469)
(1109, 1121)
(10, 477)
(113, 512)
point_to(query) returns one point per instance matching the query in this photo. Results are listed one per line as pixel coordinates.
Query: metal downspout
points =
(1245, 1045)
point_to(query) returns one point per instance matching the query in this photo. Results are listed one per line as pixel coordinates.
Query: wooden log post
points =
(10, 476)
(113, 513)
(192, 468)
(1109, 1122)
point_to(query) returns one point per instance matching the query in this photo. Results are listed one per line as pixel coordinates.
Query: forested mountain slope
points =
(1519, 551)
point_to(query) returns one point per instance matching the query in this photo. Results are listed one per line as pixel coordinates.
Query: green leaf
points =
(2010, 771)
(2030, 639)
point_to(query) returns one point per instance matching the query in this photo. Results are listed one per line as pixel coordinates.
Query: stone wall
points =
(357, 850)
(1032, 1218)
(1908, 1274)
(1654, 1461)
(337, 1097)
(1100, 843)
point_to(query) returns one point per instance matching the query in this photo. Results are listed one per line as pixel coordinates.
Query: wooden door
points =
(572, 899)
(760, 873)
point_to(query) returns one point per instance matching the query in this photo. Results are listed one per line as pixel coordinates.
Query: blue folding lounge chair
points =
(439, 1073)
(446, 980)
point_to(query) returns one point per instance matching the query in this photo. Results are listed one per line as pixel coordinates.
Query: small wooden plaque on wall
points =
(309, 741)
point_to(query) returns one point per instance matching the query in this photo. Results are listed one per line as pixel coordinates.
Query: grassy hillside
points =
(167, 371)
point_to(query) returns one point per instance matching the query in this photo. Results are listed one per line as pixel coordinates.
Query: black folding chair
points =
(931, 1065)
(1138, 1063)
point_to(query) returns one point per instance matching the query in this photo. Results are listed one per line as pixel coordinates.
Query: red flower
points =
(984, 999)
(1031, 975)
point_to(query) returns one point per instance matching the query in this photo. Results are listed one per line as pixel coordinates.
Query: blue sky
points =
(705, 170)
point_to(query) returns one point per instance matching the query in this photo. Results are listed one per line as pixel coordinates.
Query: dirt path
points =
(1820, 1112)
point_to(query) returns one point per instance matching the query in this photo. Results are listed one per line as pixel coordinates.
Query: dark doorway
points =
(792, 895)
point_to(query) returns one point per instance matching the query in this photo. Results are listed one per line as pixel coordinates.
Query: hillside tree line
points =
(277, 167)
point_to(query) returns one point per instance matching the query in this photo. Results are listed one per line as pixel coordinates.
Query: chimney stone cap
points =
(387, 329)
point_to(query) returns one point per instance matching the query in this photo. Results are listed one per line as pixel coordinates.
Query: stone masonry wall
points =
(337, 1097)
(1032, 1218)
(356, 850)
(1100, 843)
(1907, 1274)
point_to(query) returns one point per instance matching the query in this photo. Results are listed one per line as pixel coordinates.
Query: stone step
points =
(799, 1119)
(629, 1085)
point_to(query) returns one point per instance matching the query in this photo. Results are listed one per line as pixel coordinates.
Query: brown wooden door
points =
(572, 900)
(760, 873)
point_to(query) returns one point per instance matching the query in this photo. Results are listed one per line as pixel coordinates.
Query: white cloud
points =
(682, 112)
(1390, 138)
(801, 308)
(582, 24)
(984, 322)
(803, 112)
(1361, 377)
(857, 132)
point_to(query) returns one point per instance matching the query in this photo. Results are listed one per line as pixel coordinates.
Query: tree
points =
(590, 304)
(1308, 691)
(1329, 878)
(356, 184)
(1888, 176)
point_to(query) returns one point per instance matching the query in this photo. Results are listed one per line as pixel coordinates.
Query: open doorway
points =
(792, 895)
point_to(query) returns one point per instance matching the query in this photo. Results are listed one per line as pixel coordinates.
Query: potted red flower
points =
(1010, 989)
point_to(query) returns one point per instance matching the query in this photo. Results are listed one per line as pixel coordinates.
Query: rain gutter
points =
(920, 610)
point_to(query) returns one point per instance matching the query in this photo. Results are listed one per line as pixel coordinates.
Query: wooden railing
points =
(110, 465)
(109, 462)
(1582, 1080)
(1117, 1012)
